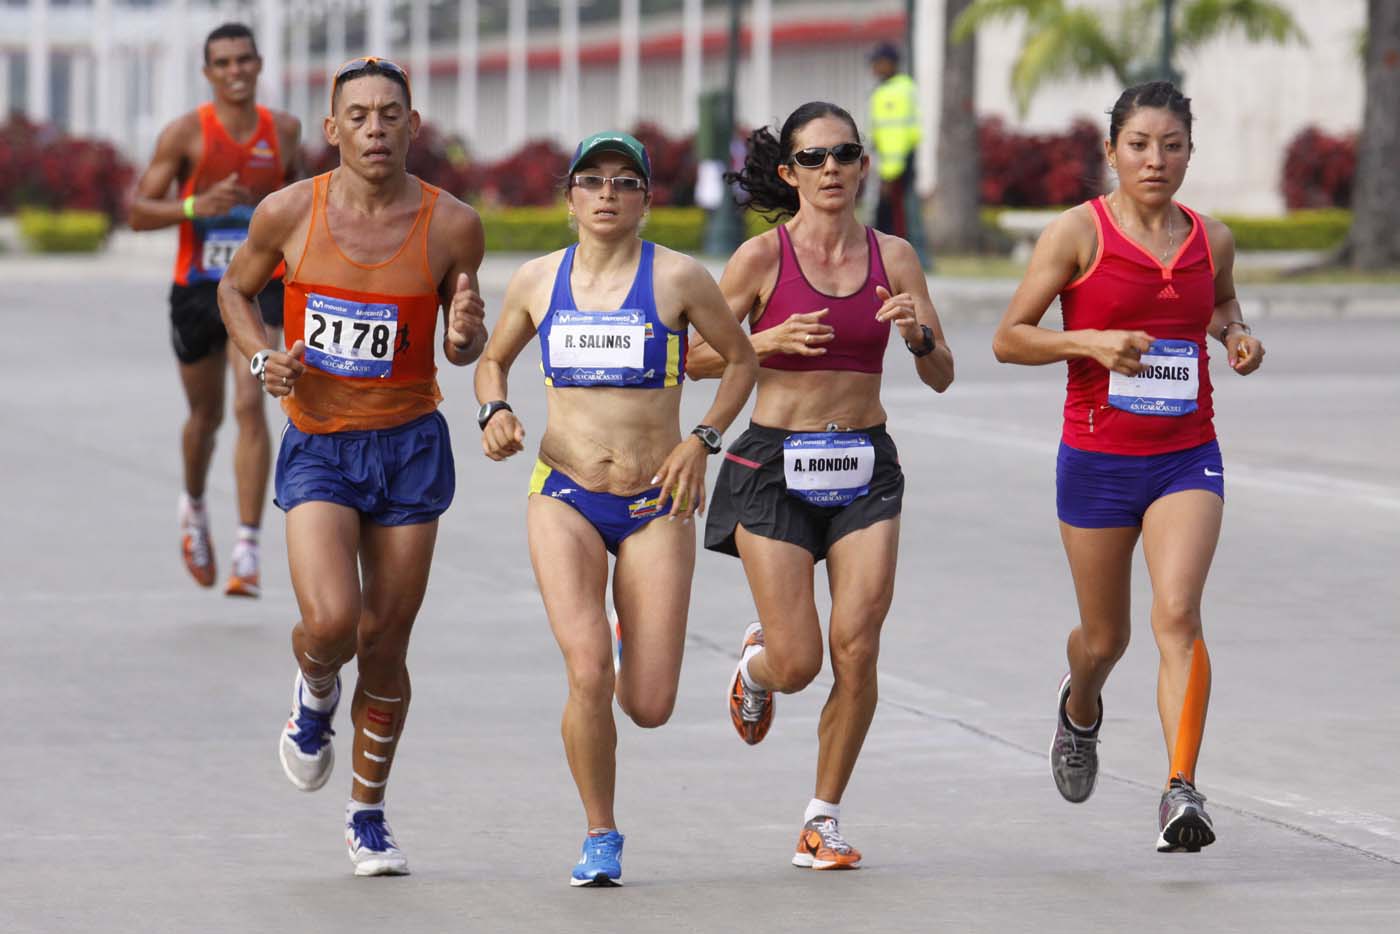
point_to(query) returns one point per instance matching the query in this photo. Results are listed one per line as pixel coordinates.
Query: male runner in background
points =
(223, 158)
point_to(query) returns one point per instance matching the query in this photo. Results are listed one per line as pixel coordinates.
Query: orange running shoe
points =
(750, 709)
(821, 846)
(243, 581)
(198, 551)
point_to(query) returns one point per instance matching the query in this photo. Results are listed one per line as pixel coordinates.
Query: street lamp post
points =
(1166, 71)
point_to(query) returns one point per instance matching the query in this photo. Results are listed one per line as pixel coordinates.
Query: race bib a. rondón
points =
(828, 468)
(1168, 384)
(349, 338)
(605, 348)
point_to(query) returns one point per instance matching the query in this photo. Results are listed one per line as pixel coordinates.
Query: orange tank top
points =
(208, 243)
(369, 329)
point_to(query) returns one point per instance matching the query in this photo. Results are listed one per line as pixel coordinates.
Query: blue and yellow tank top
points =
(629, 348)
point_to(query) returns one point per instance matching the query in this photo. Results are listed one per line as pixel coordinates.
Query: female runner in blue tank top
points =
(611, 315)
(816, 475)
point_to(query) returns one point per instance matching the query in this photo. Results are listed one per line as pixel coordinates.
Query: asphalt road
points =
(145, 795)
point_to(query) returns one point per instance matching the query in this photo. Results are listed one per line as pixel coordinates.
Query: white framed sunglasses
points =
(591, 182)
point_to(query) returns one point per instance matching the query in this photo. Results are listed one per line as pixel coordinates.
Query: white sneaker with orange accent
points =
(195, 546)
(821, 846)
(244, 579)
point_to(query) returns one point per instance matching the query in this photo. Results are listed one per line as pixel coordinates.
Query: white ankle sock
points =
(819, 808)
(354, 806)
(319, 704)
(248, 535)
(744, 660)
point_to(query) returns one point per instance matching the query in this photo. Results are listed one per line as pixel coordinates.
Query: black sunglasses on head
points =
(356, 65)
(815, 157)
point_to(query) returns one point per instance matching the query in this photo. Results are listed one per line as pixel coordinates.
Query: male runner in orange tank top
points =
(220, 159)
(365, 467)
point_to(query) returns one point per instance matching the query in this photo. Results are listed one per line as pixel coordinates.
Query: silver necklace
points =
(1171, 228)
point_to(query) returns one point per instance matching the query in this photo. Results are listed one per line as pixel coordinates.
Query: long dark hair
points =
(768, 194)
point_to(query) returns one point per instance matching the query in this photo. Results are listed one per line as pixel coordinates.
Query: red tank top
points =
(208, 243)
(860, 340)
(1128, 288)
(369, 329)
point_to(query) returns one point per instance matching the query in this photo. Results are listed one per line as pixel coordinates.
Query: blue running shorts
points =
(1108, 491)
(614, 517)
(394, 476)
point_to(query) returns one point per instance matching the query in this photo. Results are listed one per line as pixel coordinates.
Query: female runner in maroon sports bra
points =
(816, 475)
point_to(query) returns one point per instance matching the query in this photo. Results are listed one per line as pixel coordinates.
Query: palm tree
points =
(956, 225)
(1064, 40)
(1374, 241)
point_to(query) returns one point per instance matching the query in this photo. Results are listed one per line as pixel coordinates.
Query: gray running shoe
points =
(305, 744)
(1074, 756)
(1182, 816)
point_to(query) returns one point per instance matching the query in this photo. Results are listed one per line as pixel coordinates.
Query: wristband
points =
(188, 205)
(1225, 329)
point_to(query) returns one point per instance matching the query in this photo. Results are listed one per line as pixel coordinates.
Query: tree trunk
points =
(1374, 241)
(956, 224)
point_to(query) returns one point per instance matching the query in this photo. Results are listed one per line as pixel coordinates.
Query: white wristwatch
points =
(259, 363)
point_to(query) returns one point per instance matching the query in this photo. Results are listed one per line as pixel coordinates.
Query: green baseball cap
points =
(622, 143)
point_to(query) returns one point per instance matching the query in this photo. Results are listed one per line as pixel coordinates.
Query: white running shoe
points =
(305, 744)
(371, 844)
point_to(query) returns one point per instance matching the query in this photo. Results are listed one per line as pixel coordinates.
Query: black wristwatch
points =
(709, 437)
(926, 348)
(483, 414)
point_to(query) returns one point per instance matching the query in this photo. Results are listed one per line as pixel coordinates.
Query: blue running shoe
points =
(601, 862)
(371, 844)
(305, 744)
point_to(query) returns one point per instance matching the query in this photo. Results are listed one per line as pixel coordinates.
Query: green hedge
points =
(1299, 230)
(63, 231)
(540, 230)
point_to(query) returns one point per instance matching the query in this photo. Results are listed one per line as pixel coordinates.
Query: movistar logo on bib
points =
(603, 348)
(349, 338)
(828, 468)
(1168, 384)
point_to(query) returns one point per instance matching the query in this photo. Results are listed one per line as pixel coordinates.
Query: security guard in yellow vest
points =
(895, 133)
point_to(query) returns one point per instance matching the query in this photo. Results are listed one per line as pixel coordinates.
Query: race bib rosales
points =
(350, 338)
(1168, 384)
(219, 247)
(603, 348)
(828, 468)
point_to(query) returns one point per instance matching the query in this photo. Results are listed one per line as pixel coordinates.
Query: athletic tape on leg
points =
(1191, 727)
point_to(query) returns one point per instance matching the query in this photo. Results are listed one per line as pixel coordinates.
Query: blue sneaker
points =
(305, 744)
(371, 844)
(601, 862)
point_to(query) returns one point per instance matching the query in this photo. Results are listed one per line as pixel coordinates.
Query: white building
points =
(503, 71)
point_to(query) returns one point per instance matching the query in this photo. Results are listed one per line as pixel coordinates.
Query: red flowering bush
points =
(1040, 170)
(672, 166)
(1318, 170)
(533, 175)
(40, 168)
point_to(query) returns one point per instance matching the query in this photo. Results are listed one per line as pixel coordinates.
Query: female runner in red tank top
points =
(1142, 281)
(816, 475)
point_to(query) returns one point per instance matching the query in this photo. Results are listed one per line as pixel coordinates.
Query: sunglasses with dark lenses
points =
(815, 158)
(619, 182)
